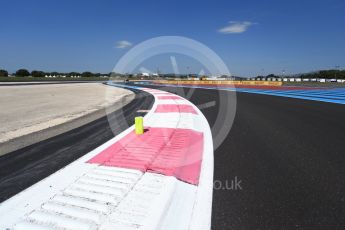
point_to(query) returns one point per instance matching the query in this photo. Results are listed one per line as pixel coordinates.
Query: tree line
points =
(37, 73)
(326, 74)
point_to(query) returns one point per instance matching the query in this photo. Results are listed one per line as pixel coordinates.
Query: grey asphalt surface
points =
(289, 155)
(24, 167)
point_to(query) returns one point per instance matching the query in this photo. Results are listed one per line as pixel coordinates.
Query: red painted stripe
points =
(169, 97)
(168, 151)
(173, 108)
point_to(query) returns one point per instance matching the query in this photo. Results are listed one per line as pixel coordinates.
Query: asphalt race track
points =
(24, 167)
(289, 155)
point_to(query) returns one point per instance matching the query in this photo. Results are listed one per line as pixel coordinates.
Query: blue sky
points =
(252, 37)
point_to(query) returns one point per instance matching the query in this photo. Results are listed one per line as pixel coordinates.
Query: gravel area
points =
(33, 108)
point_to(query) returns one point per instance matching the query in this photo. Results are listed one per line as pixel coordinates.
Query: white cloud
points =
(123, 44)
(236, 27)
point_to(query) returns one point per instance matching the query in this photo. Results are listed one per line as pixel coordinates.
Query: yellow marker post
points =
(139, 125)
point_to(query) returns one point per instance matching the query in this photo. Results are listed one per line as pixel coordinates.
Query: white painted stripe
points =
(83, 203)
(31, 226)
(59, 221)
(73, 211)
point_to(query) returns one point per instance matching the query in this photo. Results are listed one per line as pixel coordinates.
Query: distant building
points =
(144, 74)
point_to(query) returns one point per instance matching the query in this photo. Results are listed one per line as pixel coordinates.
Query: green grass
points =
(32, 79)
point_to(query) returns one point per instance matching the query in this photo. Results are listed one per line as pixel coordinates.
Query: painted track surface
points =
(331, 95)
(289, 154)
(325, 95)
(24, 167)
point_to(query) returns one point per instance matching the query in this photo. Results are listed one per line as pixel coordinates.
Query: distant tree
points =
(332, 74)
(259, 77)
(117, 75)
(339, 74)
(36, 73)
(22, 73)
(3, 73)
(73, 74)
(271, 76)
(87, 74)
